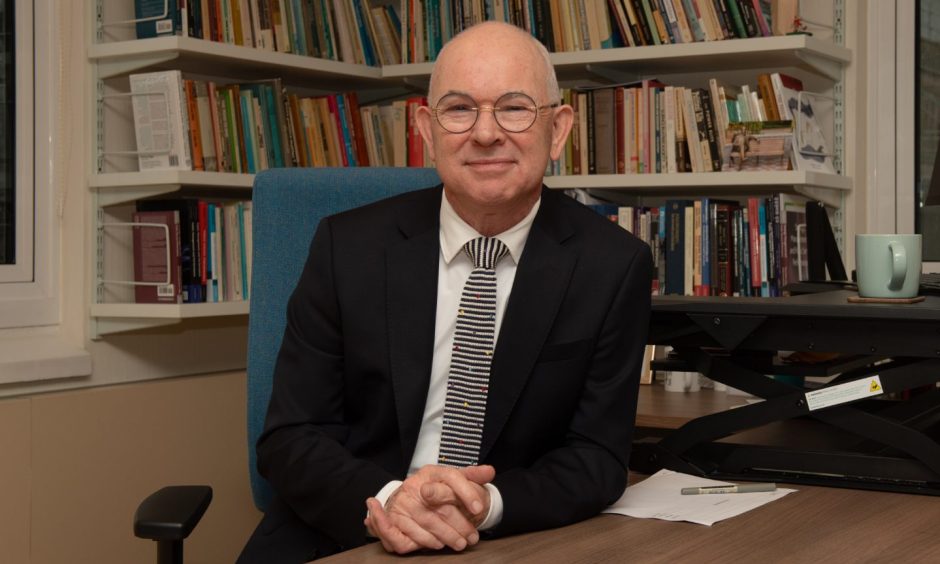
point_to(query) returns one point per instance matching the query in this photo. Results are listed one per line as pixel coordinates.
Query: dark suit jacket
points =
(352, 376)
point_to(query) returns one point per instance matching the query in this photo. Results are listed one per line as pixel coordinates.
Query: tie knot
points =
(485, 252)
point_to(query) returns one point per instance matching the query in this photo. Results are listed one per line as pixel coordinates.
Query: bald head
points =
(487, 36)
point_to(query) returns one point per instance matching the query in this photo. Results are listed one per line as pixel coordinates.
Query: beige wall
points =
(74, 466)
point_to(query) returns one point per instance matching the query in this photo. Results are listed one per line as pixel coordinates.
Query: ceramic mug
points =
(888, 265)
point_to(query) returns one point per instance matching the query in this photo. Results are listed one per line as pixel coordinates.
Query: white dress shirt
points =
(454, 267)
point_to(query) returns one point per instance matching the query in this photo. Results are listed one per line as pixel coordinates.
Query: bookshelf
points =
(221, 59)
(794, 51)
(115, 53)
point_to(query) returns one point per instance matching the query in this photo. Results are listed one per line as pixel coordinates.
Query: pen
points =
(731, 488)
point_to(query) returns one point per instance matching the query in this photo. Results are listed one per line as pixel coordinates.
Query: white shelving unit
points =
(824, 187)
(117, 318)
(221, 59)
(792, 51)
(117, 54)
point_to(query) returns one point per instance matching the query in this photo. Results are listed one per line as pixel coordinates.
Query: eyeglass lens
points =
(514, 112)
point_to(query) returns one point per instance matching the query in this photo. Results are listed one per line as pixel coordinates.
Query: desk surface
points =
(824, 304)
(824, 322)
(658, 409)
(811, 525)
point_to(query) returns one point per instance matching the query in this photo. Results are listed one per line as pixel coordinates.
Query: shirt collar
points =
(455, 232)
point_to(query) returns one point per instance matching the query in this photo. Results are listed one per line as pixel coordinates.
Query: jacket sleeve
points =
(301, 450)
(588, 472)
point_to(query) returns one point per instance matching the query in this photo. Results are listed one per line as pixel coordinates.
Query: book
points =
(723, 283)
(161, 121)
(688, 263)
(190, 247)
(415, 144)
(161, 17)
(768, 97)
(195, 136)
(762, 247)
(713, 134)
(605, 133)
(699, 249)
(675, 246)
(206, 129)
(157, 257)
(785, 92)
(692, 134)
(783, 16)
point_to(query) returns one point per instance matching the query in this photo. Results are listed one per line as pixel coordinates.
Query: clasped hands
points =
(437, 506)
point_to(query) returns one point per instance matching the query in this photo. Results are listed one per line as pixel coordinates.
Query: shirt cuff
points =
(495, 514)
(383, 495)
(387, 490)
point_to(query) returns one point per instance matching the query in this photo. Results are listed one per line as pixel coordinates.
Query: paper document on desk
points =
(659, 497)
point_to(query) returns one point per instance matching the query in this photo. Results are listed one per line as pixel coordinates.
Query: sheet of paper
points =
(659, 497)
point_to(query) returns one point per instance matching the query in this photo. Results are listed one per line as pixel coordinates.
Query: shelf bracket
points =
(822, 65)
(608, 74)
(824, 195)
(419, 85)
(119, 67)
(124, 195)
(108, 325)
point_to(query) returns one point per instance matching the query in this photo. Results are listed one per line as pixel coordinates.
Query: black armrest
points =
(171, 513)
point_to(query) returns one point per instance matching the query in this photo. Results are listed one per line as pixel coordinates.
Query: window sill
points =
(35, 358)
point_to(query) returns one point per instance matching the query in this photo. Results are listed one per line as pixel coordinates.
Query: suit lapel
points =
(411, 270)
(541, 280)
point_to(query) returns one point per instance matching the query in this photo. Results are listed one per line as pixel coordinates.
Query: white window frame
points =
(906, 27)
(29, 291)
(902, 206)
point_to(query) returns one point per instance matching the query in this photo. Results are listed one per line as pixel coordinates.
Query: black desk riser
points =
(893, 442)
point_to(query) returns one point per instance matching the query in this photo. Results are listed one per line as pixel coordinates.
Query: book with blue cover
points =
(161, 17)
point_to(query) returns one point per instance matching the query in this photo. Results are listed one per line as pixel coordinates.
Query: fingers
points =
(411, 526)
(451, 528)
(436, 493)
(469, 493)
(483, 474)
(460, 521)
(379, 524)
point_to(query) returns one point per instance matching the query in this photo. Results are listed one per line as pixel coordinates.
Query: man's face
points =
(488, 166)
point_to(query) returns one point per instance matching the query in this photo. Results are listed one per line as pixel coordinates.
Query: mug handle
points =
(898, 265)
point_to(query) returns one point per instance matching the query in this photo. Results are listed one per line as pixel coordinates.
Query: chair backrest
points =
(287, 205)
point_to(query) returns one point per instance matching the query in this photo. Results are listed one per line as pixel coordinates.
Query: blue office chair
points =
(287, 205)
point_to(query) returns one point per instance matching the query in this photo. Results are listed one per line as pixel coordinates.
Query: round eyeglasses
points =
(514, 112)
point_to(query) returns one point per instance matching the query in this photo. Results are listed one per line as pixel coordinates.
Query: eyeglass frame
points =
(491, 108)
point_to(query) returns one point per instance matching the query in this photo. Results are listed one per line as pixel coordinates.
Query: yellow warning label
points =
(844, 393)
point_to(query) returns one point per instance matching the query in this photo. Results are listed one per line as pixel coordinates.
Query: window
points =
(28, 230)
(927, 124)
(8, 192)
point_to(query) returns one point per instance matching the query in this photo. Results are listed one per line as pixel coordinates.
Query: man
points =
(501, 414)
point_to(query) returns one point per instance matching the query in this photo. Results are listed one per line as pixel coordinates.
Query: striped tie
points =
(472, 354)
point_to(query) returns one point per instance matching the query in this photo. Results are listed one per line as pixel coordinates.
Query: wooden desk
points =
(813, 524)
(658, 409)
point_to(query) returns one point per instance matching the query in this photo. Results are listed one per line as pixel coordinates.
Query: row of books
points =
(351, 31)
(714, 247)
(206, 258)
(595, 24)
(413, 31)
(639, 128)
(248, 127)
(649, 127)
